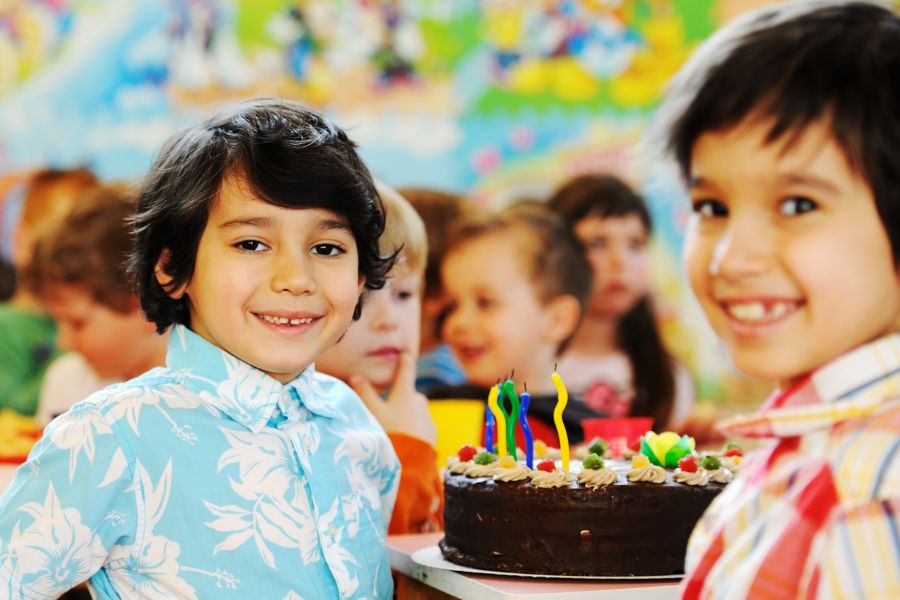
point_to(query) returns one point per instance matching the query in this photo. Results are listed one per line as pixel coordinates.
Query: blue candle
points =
(526, 430)
(488, 429)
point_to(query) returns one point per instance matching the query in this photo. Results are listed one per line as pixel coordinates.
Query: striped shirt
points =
(816, 513)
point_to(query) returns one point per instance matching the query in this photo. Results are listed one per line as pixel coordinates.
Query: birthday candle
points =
(489, 427)
(501, 421)
(509, 392)
(529, 440)
(562, 398)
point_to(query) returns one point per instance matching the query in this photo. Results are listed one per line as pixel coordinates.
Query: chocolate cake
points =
(626, 528)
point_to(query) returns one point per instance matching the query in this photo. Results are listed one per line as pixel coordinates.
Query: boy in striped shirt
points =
(786, 126)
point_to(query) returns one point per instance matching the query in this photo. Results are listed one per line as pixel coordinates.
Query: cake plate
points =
(431, 557)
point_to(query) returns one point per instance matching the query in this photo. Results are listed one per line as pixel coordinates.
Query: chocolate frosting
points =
(627, 528)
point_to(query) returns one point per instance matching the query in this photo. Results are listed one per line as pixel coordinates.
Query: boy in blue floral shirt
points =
(237, 469)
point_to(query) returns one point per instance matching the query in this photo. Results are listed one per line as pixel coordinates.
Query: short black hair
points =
(598, 194)
(797, 63)
(287, 154)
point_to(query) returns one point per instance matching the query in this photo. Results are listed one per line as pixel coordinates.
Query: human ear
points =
(164, 279)
(562, 316)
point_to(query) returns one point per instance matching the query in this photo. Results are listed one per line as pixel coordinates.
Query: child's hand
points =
(701, 425)
(405, 410)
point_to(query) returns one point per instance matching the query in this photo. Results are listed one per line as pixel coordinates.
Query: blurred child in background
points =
(377, 357)
(516, 283)
(786, 127)
(79, 274)
(440, 211)
(27, 334)
(617, 361)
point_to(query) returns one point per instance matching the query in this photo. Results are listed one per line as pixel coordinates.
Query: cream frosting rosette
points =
(698, 477)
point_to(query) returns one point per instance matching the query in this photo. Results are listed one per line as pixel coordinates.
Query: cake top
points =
(594, 466)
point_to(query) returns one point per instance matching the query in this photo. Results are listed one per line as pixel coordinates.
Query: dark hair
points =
(288, 155)
(89, 248)
(637, 333)
(554, 255)
(798, 63)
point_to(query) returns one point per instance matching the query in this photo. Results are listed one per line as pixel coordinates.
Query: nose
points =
(616, 257)
(384, 315)
(741, 251)
(292, 273)
(457, 318)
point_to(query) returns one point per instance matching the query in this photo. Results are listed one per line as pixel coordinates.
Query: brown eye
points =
(710, 209)
(251, 246)
(327, 249)
(790, 207)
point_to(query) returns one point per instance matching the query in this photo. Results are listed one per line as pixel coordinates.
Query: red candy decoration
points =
(466, 453)
(688, 464)
(733, 452)
(546, 465)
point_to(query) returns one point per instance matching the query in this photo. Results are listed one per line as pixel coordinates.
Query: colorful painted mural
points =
(500, 99)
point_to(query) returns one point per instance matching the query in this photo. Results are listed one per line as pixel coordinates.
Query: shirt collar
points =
(852, 385)
(240, 390)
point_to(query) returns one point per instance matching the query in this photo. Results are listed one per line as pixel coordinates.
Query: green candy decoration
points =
(710, 463)
(484, 458)
(592, 461)
(598, 446)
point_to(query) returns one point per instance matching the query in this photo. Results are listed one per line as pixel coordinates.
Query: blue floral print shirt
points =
(204, 479)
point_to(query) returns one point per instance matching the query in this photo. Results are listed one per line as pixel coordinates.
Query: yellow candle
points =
(501, 420)
(562, 398)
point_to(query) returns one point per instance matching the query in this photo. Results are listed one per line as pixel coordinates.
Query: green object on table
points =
(511, 412)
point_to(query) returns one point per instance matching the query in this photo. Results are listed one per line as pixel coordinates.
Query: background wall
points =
(500, 99)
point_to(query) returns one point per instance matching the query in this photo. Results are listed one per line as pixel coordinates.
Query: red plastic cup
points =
(621, 433)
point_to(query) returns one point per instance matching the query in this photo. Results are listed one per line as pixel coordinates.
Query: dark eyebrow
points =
(260, 222)
(811, 181)
(697, 181)
(332, 224)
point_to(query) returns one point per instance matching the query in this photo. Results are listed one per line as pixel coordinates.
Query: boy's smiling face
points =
(495, 321)
(786, 252)
(273, 286)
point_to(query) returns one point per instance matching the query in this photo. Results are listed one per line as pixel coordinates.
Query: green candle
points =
(511, 412)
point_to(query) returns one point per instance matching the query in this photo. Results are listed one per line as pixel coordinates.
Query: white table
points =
(472, 586)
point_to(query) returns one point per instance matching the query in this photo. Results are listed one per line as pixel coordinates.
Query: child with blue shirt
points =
(236, 469)
(786, 127)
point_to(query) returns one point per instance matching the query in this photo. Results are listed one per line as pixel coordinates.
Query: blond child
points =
(377, 357)
(516, 283)
(27, 334)
(78, 273)
(236, 470)
(786, 125)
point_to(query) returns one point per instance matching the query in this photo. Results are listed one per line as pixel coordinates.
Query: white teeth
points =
(285, 320)
(758, 312)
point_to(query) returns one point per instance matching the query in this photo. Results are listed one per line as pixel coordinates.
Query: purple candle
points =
(488, 429)
(526, 430)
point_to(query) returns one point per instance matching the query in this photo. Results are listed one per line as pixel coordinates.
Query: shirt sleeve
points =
(420, 498)
(66, 508)
(860, 553)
